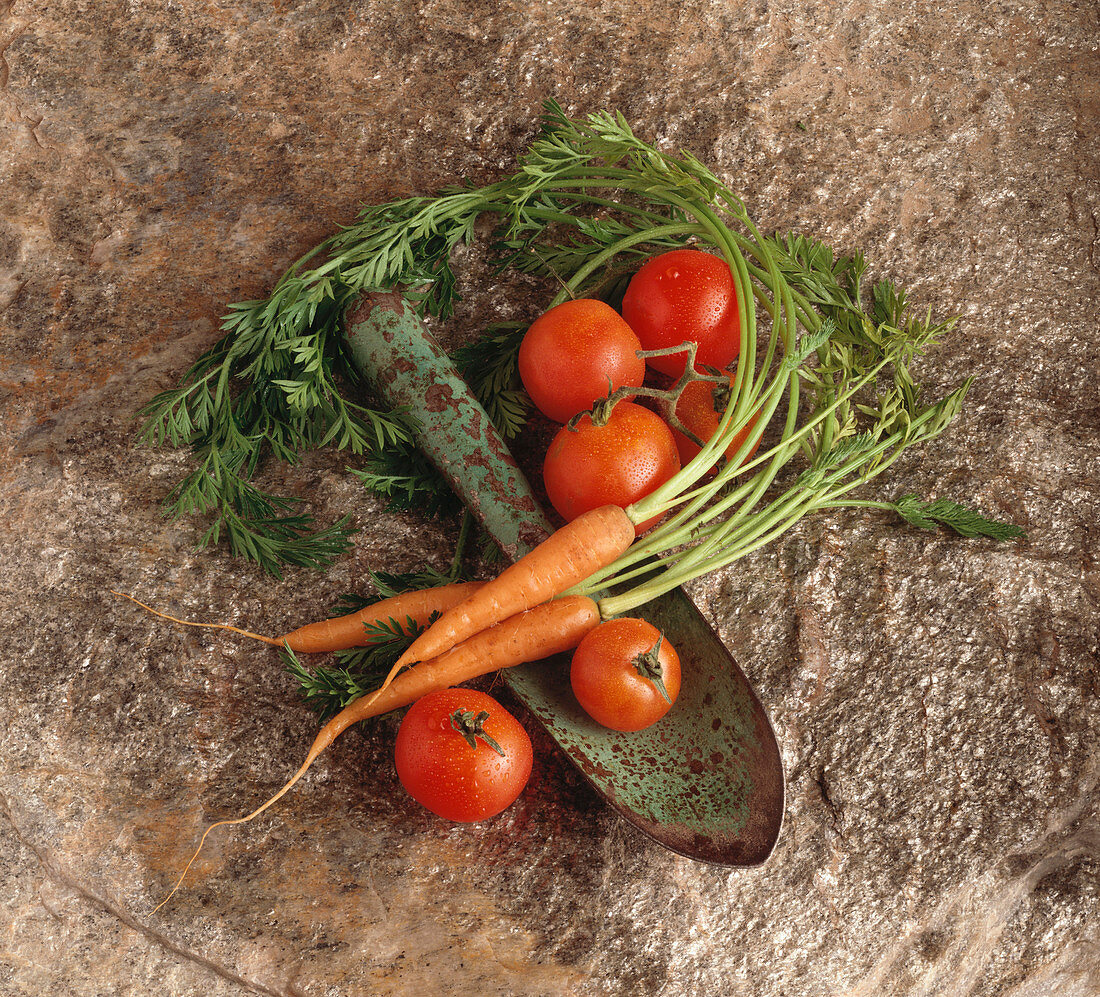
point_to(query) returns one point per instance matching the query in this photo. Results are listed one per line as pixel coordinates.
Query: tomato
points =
(446, 760)
(614, 464)
(700, 408)
(571, 352)
(685, 295)
(619, 671)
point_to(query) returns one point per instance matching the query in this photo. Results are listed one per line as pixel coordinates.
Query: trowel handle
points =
(390, 346)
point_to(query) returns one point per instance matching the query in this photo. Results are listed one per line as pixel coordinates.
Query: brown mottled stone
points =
(936, 699)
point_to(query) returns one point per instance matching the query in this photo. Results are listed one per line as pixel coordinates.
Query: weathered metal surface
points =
(392, 349)
(707, 780)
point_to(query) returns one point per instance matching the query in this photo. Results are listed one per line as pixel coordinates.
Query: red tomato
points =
(696, 409)
(614, 464)
(680, 296)
(569, 354)
(442, 770)
(615, 670)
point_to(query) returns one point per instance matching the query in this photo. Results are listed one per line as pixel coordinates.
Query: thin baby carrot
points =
(537, 633)
(349, 631)
(343, 632)
(568, 556)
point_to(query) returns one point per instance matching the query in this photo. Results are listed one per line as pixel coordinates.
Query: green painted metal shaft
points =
(389, 344)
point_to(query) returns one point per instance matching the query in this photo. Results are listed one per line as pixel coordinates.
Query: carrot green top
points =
(823, 375)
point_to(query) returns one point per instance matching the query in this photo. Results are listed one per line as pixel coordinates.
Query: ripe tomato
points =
(446, 759)
(614, 464)
(569, 354)
(700, 409)
(685, 295)
(619, 671)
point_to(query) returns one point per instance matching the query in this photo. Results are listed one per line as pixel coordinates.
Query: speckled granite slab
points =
(936, 700)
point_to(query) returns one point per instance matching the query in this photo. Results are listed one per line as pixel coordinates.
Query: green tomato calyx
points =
(648, 664)
(471, 726)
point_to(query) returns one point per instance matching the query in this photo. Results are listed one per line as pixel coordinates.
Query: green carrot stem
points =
(670, 579)
(727, 534)
(738, 408)
(708, 538)
(602, 257)
(860, 504)
(653, 505)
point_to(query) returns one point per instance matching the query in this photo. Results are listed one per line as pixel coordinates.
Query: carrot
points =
(349, 631)
(537, 633)
(569, 555)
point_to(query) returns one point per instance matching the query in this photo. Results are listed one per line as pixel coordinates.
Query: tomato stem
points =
(471, 726)
(648, 664)
(668, 397)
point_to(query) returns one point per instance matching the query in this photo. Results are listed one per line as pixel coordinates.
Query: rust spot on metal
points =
(498, 447)
(368, 304)
(594, 768)
(385, 378)
(475, 426)
(438, 398)
(531, 534)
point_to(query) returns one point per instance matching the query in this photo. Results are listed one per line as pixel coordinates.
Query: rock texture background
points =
(936, 699)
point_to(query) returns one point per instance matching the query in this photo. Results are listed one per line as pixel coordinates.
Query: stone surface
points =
(936, 700)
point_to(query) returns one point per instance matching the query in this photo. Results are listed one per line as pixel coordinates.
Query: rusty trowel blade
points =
(707, 780)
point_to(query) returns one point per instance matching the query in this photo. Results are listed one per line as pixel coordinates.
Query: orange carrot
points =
(569, 555)
(537, 633)
(349, 631)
